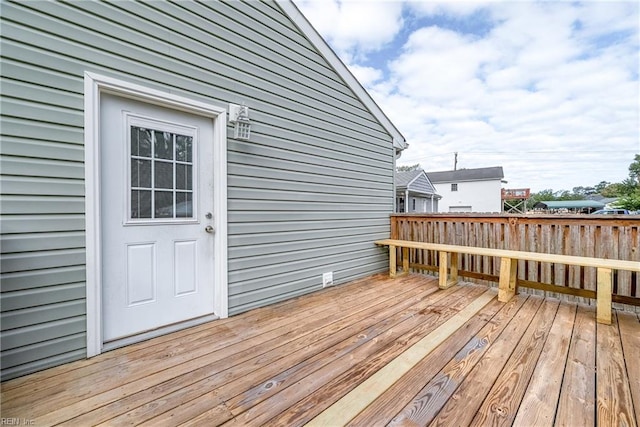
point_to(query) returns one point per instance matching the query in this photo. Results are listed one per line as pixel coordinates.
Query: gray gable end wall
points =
(415, 181)
(308, 194)
(422, 185)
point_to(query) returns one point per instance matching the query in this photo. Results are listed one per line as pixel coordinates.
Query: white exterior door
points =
(157, 209)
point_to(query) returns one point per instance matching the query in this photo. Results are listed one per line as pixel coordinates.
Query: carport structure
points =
(574, 206)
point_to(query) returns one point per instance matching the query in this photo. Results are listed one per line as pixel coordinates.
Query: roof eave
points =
(288, 7)
(448, 181)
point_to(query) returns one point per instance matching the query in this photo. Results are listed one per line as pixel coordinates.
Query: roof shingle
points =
(479, 174)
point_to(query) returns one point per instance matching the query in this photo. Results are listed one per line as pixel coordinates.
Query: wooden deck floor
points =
(373, 352)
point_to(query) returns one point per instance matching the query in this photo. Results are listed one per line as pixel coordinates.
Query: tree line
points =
(627, 191)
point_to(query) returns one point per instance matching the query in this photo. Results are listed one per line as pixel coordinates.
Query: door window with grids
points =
(162, 175)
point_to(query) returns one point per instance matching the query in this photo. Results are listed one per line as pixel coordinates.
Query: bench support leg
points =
(405, 261)
(605, 285)
(447, 280)
(392, 262)
(453, 268)
(507, 284)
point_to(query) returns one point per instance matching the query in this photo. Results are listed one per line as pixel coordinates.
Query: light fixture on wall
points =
(239, 116)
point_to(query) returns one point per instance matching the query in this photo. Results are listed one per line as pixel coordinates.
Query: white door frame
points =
(94, 86)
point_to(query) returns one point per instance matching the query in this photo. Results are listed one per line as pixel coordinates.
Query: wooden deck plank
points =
(285, 364)
(391, 344)
(576, 406)
(382, 409)
(629, 324)
(306, 409)
(539, 404)
(503, 400)
(71, 401)
(614, 405)
(276, 314)
(392, 328)
(128, 360)
(201, 375)
(353, 403)
(215, 415)
(431, 398)
(212, 417)
(261, 370)
(465, 402)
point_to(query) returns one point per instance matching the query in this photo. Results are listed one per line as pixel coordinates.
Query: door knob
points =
(208, 229)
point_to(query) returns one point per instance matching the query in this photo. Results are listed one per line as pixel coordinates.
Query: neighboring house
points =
(469, 190)
(140, 196)
(415, 193)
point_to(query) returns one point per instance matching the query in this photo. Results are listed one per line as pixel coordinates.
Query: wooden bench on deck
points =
(509, 267)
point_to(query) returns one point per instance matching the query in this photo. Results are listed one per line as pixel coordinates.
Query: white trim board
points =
(94, 86)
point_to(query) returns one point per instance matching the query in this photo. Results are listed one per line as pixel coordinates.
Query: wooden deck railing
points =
(575, 235)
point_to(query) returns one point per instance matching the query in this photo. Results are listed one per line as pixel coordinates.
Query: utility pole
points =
(455, 161)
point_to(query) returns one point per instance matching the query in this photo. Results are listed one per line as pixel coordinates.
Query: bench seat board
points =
(615, 264)
(507, 284)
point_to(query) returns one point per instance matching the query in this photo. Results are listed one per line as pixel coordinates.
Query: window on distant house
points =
(454, 187)
(414, 205)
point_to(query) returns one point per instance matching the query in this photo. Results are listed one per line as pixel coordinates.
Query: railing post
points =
(514, 239)
(394, 227)
(605, 285)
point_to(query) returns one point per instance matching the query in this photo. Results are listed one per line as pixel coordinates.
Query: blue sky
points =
(547, 90)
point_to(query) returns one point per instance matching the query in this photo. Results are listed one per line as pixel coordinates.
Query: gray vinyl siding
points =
(309, 193)
(422, 185)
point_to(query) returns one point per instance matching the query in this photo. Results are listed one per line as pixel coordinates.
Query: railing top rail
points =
(603, 220)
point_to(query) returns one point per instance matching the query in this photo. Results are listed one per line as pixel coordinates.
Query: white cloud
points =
(548, 90)
(354, 27)
(456, 8)
(367, 76)
(439, 65)
(601, 17)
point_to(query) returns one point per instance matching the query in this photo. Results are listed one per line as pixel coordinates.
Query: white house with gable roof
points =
(469, 190)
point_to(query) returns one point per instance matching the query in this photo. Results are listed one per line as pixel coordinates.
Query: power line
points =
(576, 157)
(540, 152)
(536, 161)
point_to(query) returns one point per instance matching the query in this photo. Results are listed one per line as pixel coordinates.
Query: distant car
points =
(611, 212)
